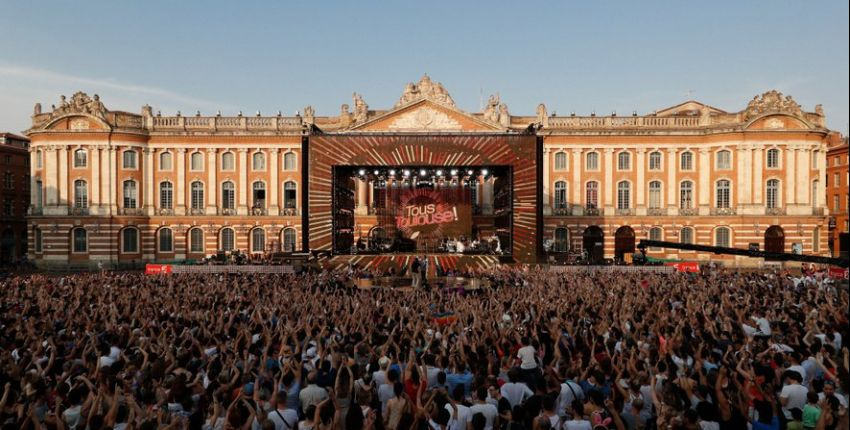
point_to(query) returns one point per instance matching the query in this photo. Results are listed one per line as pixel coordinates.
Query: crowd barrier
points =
(155, 269)
(613, 269)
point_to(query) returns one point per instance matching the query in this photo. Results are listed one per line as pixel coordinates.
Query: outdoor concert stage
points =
(437, 263)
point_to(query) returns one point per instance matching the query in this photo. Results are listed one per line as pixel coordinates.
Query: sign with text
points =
(434, 213)
(157, 269)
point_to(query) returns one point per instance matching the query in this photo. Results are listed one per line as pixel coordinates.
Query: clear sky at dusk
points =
(270, 56)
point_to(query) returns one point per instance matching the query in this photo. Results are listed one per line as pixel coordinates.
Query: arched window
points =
(39, 194)
(289, 195)
(81, 194)
(258, 240)
(166, 195)
(686, 161)
(166, 240)
(197, 195)
(129, 159)
(38, 240)
(228, 195)
(196, 240)
(130, 240)
(80, 158)
(686, 195)
(196, 162)
(560, 195)
(130, 194)
(592, 161)
(624, 161)
(228, 161)
(772, 193)
(80, 239)
(623, 195)
(227, 240)
(722, 237)
(655, 160)
(561, 240)
(289, 161)
(772, 158)
(686, 235)
(165, 160)
(724, 160)
(259, 194)
(289, 239)
(655, 194)
(592, 195)
(258, 161)
(560, 160)
(723, 190)
(656, 233)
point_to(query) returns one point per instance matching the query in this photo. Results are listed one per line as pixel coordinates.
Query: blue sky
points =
(573, 56)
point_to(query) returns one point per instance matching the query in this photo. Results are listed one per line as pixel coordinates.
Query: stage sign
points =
(157, 269)
(434, 214)
(838, 273)
(685, 266)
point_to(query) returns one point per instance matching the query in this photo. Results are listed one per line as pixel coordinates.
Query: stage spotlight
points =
(406, 173)
(377, 172)
(392, 172)
(469, 172)
(422, 172)
(440, 172)
(454, 172)
(484, 172)
(361, 172)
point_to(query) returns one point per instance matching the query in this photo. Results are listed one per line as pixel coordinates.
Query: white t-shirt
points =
(461, 418)
(284, 419)
(569, 391)
(515, 392)
(527, 355)
(796, 395)
(489, 411)
(841, 399)
(577, 425)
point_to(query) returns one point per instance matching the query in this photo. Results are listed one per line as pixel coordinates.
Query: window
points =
(228, 195)
(81, 194)
(655, 195)
(686, 195)
(289, 161)
(561, 240)
(196, 162)
(836, 203)
(80, 158)
(560, 195)
(686, 161)
(654, 160)
(227, 239)
(39, 194)
(289, 195)
(80, 239)
(196, 240)
(623, 195)
(228, 161)
(289, 239)
(592, 161)
(130, 241)
(197, 195)
(722, 237)
(38, 238)
(130, 194)
(816, 240)
(166, 240)
(592, 195)
(656, 233)
(836, 180)
(130, 160)
(38, 159)
(773, 158)
(165, 161)
(722, 191)
(561, 160)
(815, 156)
(7, 159)
(258, 240)
(815, 188)
(686, 235)
(258, 161)
(8, 180)
(166, 195)
(724, 160)
(772, 195)
(8, 206)
(259, 194)
(624, 161)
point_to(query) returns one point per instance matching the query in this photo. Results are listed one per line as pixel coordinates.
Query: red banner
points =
(838, 273)
(685, 266)
(157, 269)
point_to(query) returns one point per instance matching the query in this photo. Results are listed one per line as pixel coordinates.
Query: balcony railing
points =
(774, 211)
(656, 211)
(688, 211)
(130, 211)
(223, 123)
(228, 211)
(289, 212)
(561, 211)
(80, 211)
(723, 211)
(582, 122)
(166, 211)
(625, 212)
(817, 211)
(592, 212)
(197, 211)
(259, 211)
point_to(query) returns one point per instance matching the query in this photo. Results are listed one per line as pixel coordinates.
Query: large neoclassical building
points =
(116, 187)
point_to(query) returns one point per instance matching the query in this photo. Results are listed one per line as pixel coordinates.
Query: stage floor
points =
(446, 262)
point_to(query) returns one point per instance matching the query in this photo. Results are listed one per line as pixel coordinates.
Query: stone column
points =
(212, 182)
(804, 166)
(63, 177)
(608, 187)
(180, 192)
(672, 168)
(758, 174)
(274, 170)
(51, 176)
(148, 186)
(547, 194)
(113, 180)
(640, 186)
(242, 208)
(360, 186)
(790, 175)
(96, 179)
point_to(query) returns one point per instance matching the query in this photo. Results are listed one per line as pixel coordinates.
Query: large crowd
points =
(538, 350)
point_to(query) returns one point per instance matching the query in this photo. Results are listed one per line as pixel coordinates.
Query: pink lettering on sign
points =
(418, 215)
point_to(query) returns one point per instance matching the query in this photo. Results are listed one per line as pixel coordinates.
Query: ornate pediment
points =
(770, 102)
(424, 118)
(427, 115)
(425, 89)
(80, 103)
